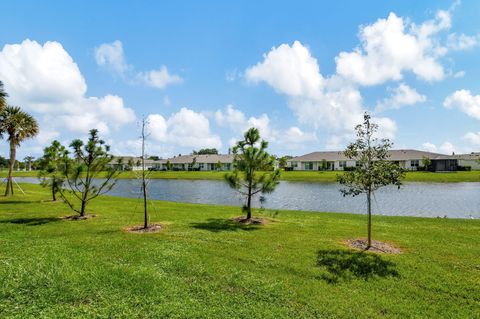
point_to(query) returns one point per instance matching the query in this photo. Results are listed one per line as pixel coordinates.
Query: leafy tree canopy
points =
(205, 151)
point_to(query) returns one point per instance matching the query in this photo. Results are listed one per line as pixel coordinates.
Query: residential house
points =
(336, 160)
(133, 163)
(204, 162)
(471, 160)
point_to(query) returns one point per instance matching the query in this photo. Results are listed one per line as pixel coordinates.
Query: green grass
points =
(203, 266)
(294, 176)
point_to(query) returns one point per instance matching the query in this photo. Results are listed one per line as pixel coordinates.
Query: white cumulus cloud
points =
(445, 148)
(460, 42)
(185, 128)
(402, 95)
(231, 117)
(290, 70)
(473, 138)
(296, 135)
(112, 56)
(391, 46)
(159, 78)
(465, 101)
(45, 80)
(236, 120)
(332, 104)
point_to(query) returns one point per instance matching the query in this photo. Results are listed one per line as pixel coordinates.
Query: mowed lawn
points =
(299, 176)
(204, 266)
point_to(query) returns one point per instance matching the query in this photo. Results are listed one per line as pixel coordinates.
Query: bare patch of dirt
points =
(139, 229)
(250, 221)
(377, 246)
(78, 217)
(52, 201)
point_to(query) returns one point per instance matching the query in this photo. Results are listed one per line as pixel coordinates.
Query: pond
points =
(453, 200)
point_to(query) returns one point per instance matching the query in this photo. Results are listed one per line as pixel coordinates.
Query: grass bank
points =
(203, 266)
(299, 176)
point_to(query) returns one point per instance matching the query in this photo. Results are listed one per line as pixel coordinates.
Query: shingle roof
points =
(395, 155)
(468, 157)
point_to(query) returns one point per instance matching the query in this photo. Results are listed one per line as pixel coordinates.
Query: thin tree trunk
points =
(145, 207)
(249, 203)
(369, 208)
(144, 184)
(84, 195)
(13, 150)
(82, 208)
(54, 190)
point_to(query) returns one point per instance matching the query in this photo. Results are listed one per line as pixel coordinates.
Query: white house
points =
(336, 160)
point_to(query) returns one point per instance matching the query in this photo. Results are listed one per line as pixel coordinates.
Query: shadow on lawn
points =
(34, 221)
(218, 224)
(11, 201)
(346, 265)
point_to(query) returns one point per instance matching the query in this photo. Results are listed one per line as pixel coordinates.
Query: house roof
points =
(395, 155)
(468, 157)
(204, 158)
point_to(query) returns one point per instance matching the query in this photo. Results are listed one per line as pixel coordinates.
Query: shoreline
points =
(290, 176)
(267, 210)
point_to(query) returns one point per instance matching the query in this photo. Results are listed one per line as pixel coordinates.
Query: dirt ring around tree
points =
(377, 246)
(78, 217)
(139, 229)
(251, 221)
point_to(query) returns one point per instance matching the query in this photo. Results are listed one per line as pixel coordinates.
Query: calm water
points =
(454, 200)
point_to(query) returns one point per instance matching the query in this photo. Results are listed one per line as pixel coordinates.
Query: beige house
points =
(212, 162)
(207, 162)
(471, 160)
(336, 160)
(133, 163)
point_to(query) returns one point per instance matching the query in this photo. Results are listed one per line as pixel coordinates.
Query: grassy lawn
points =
(299, 176)
(203, 266)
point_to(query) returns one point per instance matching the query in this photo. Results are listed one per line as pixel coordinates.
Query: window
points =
(308, 165)
(414, 163)
(294, 164)
(342, 164)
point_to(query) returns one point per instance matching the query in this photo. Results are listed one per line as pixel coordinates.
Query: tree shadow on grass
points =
(13, 201)
(346, 265)
(216, 225)
(34, 221)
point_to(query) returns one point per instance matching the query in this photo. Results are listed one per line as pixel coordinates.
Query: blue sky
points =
(303, 72)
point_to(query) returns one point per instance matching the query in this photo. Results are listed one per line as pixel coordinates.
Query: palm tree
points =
(19, 126)
(3, 97)
(28, 162)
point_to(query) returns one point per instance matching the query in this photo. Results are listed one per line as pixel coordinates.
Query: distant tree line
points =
(205, 151)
